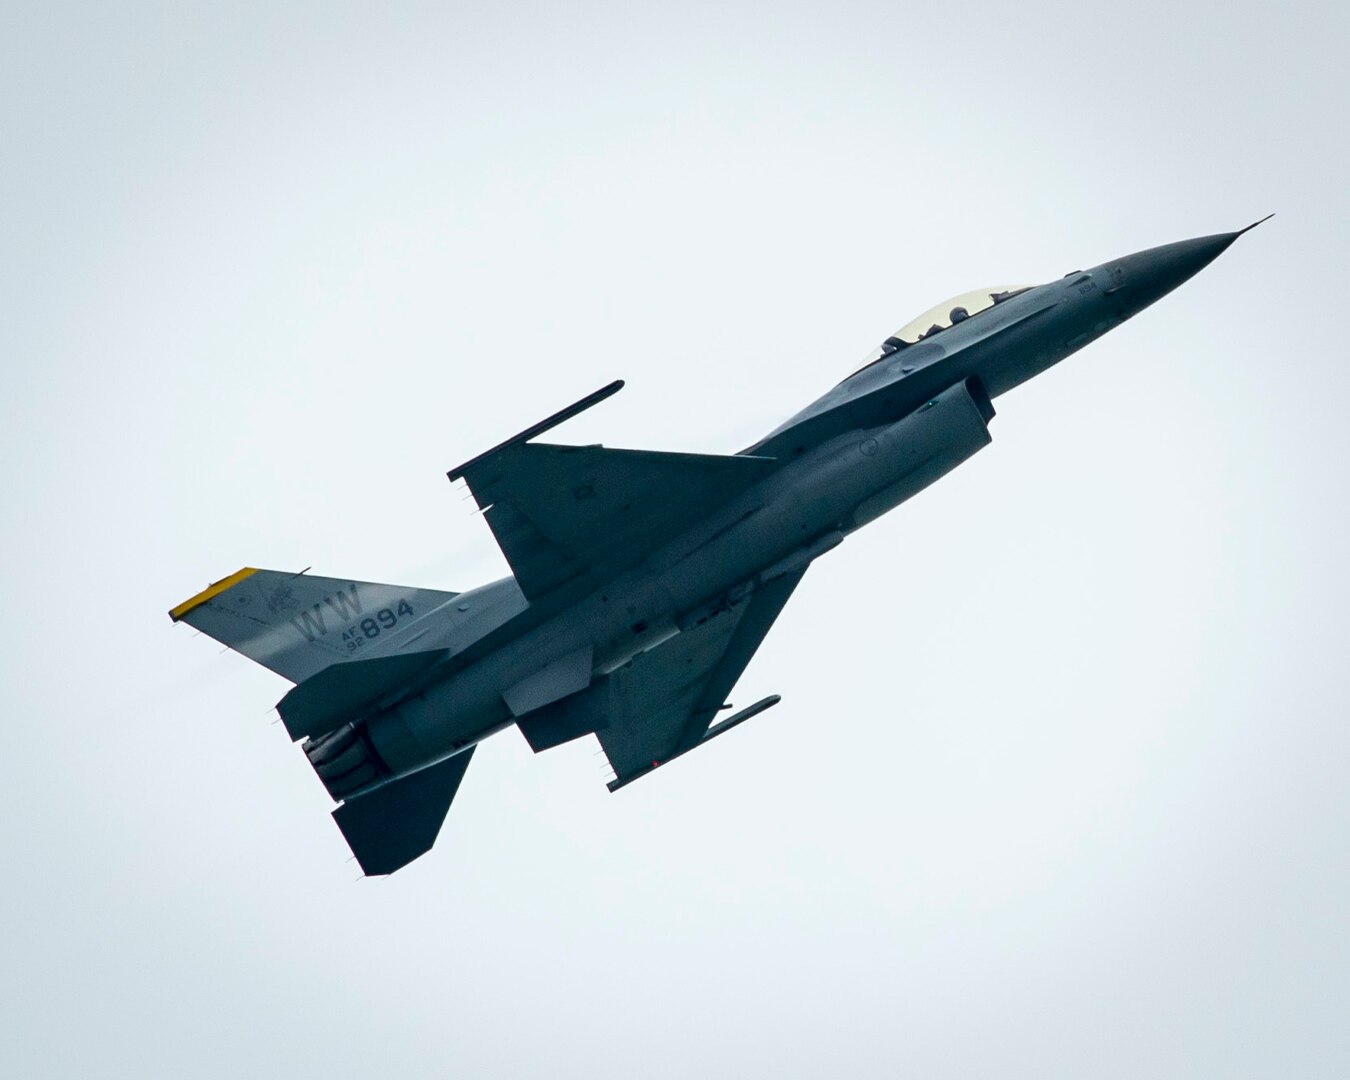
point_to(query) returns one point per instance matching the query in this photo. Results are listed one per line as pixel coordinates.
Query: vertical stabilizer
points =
(299, 624)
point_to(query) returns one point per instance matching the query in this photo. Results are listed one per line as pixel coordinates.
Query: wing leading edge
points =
(565, 512)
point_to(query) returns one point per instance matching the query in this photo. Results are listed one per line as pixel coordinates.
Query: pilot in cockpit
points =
(957, 309)
(956, 315)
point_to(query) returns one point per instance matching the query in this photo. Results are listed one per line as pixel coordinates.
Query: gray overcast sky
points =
(1058, 785)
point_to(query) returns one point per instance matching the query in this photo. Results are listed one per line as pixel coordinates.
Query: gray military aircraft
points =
(643, 582)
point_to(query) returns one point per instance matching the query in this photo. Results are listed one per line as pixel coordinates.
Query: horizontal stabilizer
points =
(345, 692)
(394, 824)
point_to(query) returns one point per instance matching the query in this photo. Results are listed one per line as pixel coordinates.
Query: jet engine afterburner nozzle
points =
(345, 760)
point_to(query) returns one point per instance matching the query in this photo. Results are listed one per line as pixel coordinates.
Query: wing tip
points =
(538, 429)
(210, 592)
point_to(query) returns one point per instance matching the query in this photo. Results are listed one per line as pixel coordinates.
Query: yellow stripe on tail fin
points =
(210, 591)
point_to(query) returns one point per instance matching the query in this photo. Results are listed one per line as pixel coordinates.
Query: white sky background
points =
(1057, 788)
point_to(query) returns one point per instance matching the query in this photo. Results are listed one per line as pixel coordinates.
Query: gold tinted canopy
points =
(941, 316)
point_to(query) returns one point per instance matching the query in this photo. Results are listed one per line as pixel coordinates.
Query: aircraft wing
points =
(564, 512)
(663, 703)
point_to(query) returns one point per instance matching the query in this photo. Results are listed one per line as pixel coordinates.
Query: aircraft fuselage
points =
(642, 581)
(878, 438)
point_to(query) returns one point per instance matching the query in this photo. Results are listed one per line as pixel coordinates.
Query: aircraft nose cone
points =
(1138, 280)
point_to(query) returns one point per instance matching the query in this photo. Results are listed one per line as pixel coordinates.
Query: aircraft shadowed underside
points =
(642, 582)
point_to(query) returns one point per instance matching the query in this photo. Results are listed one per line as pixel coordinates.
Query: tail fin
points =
(394, 824)
(299, 624)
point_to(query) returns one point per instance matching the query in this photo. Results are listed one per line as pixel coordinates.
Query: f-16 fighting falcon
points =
(642, 582)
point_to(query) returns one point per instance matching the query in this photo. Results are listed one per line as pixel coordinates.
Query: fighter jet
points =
(642, 582)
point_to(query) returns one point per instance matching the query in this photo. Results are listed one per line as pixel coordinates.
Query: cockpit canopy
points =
(939, 318)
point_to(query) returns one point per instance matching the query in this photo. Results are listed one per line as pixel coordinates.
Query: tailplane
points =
(394, 824)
